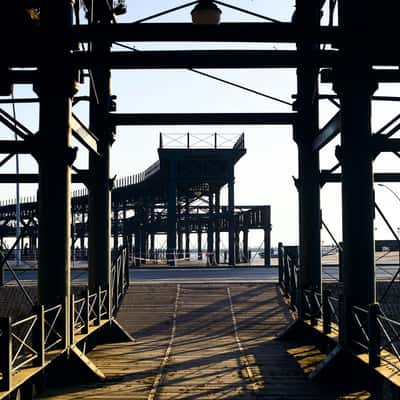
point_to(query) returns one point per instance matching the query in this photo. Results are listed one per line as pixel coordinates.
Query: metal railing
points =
(201, 141)
(376, 334)
(119, 279)
(32, 341)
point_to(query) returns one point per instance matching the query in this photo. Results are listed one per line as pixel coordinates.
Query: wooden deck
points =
(205, 341)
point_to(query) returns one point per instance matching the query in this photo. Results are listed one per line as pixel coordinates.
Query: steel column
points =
(355, 88)
(246, 245)
(115, 233)
(99, 212)
(237, 247)
(306, 129)
(217, 226)
(231, 216)
(199, 250)
(210, 229)
(171, 214)
(266, 217)
(56, 88)
(354, 82)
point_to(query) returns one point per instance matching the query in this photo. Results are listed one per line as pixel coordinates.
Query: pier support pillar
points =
(199, 249)
(266, 218)
(237, 247)
(231, 216)
(187, 231)
(171, 214)
(210, 229)
(306, 129)
(217, 226)
(355, 87)
(56, 87)
(100, 185)
(246, 245)
(115, 231)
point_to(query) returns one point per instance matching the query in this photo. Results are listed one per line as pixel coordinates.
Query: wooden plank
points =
(207, 359)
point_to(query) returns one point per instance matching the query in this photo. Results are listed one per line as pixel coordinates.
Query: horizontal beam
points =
(32, 178)
(327, 177)
(12, 146)
(175, 59)
(384, 144)
(83, 134)
(328, 132)
(381, 75)
(251, 32)
(204, 119)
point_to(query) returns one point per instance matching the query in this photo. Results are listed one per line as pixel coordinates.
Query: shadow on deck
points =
(206, 341)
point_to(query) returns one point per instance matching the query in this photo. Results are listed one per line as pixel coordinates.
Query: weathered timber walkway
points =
(205, 341)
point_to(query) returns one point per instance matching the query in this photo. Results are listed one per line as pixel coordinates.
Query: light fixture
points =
(206, 13)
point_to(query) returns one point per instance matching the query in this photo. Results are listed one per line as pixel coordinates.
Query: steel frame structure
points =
(352, 61)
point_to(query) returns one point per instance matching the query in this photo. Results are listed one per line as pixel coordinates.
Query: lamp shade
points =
(206, 13)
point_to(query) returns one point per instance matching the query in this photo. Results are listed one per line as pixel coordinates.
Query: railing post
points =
(374, 335)
(126, 270)
(86, 312)
(293, 286)
(215, 140)
(188, 140)
(280, 264)
(326, 312)
(39, 336)
(98, 318)
(72, 319)
(6, 353)
(286, 278)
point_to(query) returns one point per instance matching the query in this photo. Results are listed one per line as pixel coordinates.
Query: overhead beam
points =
(32, 178)
(328, 177)
(176, 59)
(83, 134)
(381, 75)
(328, 132)
(204, 119)
(12, 146)
(253, 32)
(382, 143)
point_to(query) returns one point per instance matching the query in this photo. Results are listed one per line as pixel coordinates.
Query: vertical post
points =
(305, 130)
(217, 226)
(210, 228)
(374, 335)
(231, 216)
(86, 312)
(6, 353)
(246, 246)
(280, 263)
(56, 87)
(326, 312)
(115, 229)
(341, 250)
(187, 230)
(237, 247)
(39, 336)
(266, 218)
(354, 82)
(72, 319)
(100, 185)
(171, 214)
(355, 87)
(293, 286)
(199, 250)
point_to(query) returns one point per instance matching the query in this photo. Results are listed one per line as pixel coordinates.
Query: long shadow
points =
(276, 364)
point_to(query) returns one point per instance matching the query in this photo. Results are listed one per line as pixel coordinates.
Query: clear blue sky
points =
(264, 175)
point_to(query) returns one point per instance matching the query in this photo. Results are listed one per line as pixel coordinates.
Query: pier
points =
(221, 327)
